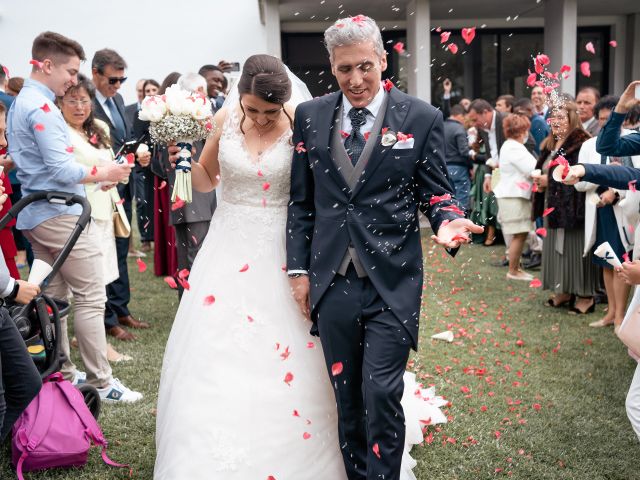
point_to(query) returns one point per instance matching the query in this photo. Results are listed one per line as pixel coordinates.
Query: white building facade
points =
(157, 37)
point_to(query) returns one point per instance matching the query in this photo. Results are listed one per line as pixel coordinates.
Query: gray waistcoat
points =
(352, 174)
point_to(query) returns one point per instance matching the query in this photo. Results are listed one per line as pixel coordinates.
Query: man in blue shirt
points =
(40, 146)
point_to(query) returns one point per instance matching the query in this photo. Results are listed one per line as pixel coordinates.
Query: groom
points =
(366, 159)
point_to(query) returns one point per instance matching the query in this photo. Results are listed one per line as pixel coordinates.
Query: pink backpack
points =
(56, 430)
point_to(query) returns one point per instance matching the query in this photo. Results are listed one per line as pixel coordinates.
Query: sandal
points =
(551, 303)
(576, 311)
(601, 323)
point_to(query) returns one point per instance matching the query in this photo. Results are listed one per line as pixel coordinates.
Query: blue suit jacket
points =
(611, 143)
(379, 217)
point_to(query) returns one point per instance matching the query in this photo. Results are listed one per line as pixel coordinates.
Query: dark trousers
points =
(189, 237)
(20, 378)
(144, 202)
(118, 294)
(358, 330)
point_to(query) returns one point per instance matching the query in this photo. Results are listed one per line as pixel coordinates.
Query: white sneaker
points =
(116, 392)
(79, 378)
(527, 277)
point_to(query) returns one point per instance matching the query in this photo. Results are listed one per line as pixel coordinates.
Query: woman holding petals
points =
(565, 271)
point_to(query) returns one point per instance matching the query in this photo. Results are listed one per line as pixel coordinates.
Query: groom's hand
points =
(300, 292)
(456, 232)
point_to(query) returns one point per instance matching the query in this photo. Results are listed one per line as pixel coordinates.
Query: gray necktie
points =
(118, 123)
(354, 143)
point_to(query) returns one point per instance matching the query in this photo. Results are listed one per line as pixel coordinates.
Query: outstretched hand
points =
(456, 232)
(576, 172)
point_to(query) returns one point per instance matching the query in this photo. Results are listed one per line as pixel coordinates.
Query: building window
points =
(495, 63)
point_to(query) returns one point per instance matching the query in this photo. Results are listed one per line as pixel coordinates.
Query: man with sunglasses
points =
(108, 70)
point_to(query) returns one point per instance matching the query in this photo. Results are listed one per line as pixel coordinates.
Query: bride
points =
(244, 392)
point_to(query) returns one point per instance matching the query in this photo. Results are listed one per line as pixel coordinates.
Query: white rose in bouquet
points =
(202, 108)
(153, 109)
(178, 101)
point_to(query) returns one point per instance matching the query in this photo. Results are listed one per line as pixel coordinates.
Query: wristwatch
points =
(296, 275)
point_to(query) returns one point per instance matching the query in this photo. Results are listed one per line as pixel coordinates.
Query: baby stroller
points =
(39, 321)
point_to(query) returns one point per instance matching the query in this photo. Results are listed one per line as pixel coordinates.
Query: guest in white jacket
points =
(608, 219)
(513, 190)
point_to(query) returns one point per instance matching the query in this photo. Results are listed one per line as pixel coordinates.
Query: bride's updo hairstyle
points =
(265, 77)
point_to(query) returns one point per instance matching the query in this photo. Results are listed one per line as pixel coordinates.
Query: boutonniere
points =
(390, 138)
(387, 85)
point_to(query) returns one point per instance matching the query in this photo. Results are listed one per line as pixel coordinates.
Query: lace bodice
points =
(263, 182)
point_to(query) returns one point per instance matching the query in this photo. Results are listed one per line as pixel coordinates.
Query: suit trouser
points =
(633, 402)
(189, 237)
(82, 274)
(359, 330)
(144, 202)
(20, 378)
(118, 291)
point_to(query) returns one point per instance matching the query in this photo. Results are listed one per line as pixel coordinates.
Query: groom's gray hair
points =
(353, 30)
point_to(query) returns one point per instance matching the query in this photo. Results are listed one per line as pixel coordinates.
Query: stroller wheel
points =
(91, 398)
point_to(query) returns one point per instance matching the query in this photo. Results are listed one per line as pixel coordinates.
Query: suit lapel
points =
(102, 115)
(325, 127)
(394, 118)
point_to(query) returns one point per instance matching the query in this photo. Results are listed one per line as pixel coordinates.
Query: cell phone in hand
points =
(235, 67)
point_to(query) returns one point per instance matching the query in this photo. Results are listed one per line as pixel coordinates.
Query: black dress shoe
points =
(534, 262)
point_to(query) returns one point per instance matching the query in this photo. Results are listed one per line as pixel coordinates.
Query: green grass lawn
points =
(535, 393)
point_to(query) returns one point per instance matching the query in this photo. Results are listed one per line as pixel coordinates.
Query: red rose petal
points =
(439, 198)
(130, 158)
(336, 368)
(45, 108)
(547, 211)
(244, 268)
(266, 186)
(306, 435)
(94, 139)
(39, 127)
(535, 283)
(444, 37)
(171, 282)
(162, 185)
(209, 300)
(184, 273)
(468, 34)
(399, 47)
(94, 170)
(453, 48)
(541, 231)
(179, 203)
(142, 267)
(69, 149)
(288, 378)
(376, 450)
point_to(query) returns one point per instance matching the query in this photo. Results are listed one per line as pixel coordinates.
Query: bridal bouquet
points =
(182, 117)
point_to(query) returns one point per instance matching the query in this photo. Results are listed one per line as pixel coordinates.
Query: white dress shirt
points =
(373, 107)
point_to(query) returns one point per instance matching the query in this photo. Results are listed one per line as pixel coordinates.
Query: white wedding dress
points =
(244, 393)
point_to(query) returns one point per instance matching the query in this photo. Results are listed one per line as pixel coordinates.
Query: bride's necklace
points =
(264, 133)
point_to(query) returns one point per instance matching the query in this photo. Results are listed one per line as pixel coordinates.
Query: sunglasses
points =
(114, 80)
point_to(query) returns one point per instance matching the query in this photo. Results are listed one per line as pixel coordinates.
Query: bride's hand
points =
(300, 292)
(174, 152)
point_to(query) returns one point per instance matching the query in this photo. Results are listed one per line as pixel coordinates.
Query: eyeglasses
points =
(114, 80)
(76, 103)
